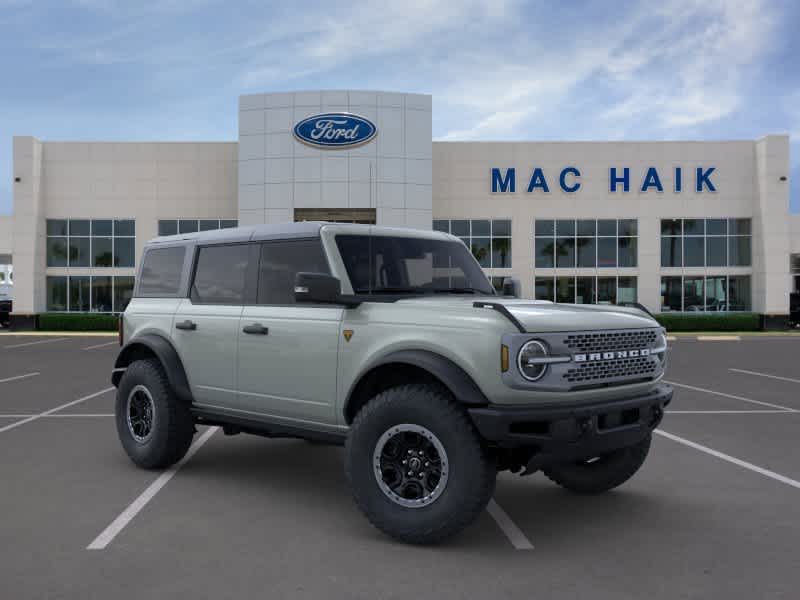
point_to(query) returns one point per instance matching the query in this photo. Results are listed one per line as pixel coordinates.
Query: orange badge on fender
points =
(348, 333)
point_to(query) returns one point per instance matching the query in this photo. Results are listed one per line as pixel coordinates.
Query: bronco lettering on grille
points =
(595, 356)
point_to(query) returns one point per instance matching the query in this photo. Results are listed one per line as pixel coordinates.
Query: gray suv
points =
(393, 343)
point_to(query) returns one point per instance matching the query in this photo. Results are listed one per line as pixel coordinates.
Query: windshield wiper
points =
(390, 290)
(461, 290)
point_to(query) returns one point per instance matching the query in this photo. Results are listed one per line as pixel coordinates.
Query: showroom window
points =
(104, 294)
(587, 290)
(174, 226)
(91, 243)
(585, 243)
(714, 293)
(706, 242)
(489, 240)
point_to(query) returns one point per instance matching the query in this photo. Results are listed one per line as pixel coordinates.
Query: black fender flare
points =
(453, 377)
(165, 352)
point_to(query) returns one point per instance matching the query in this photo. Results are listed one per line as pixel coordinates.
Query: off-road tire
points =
(472, 472)
(607, 472)
(173, 425)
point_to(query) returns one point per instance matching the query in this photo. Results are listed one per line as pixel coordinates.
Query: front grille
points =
(603, 370)
(634, 339)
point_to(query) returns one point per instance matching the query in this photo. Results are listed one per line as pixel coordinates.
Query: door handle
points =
(186, 325)
(256, 328)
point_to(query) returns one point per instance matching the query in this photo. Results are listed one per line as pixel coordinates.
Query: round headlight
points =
(529, 367)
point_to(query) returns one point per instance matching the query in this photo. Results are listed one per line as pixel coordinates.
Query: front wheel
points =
(601, 473)
(416, 465)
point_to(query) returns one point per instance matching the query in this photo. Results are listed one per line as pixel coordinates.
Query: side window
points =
(281, 261)
(219, 277)
(161, 271)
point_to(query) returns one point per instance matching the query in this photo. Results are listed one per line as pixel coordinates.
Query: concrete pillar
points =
(28, 245)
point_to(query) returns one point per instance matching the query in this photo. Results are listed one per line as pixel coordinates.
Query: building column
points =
(28, 232)
(771, 281)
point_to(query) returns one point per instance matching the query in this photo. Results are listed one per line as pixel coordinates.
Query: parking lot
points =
(715, 511)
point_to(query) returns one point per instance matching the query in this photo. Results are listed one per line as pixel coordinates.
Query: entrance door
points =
(288, 353)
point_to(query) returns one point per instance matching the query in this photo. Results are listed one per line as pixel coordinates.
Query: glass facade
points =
(489, 240)
(586, 290)
(175, 226)
(84, 293)
(706, 243)
(711, 293)
(585, 243)
(95, 243)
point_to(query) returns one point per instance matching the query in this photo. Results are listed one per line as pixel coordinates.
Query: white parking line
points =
(718, 338)
(58, 415)
(765, 375)
(507, 526)
(7, 379)
(35, 343)
(730, 412)
(48, 413)
(731, 459)
(724, 395)
(109, 533)
(100, 345)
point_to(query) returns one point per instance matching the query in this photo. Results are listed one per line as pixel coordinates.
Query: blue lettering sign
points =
(501, 184)
(678, 180)
(652, 180)
(562, 180)
(538, 181)
(703, 179)
(625, 180)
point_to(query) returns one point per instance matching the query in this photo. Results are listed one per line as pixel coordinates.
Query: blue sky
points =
(172, 69)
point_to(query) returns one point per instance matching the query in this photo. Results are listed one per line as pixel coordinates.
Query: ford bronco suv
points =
(393, 343)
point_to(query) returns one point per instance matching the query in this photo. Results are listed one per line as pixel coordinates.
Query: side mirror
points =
(317, 287)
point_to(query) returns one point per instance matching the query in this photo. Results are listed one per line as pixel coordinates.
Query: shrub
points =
(77, 322)
(710, 322)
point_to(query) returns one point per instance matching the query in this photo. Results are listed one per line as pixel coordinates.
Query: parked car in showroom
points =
(393, 343)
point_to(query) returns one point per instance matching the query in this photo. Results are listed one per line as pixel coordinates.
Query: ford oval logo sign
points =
(335, 130)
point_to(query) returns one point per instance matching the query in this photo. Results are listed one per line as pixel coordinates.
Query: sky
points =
(497, 69)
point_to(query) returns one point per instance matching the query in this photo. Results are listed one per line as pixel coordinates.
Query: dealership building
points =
(692, 226)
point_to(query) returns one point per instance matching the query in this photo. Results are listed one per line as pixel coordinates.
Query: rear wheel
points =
(416, 465)
(154, 426)
(601, 473)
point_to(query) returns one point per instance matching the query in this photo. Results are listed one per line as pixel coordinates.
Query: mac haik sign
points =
(620, 179)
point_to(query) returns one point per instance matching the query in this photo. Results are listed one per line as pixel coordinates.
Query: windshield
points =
(406, 265)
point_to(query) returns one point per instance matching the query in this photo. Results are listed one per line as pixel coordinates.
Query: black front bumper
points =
(565, 433)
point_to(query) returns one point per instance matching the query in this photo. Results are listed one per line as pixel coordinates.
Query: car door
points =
(288, 352)
(206, 324)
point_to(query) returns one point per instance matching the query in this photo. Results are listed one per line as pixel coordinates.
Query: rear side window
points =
(281, 261)
(161, 271)
(220, 274)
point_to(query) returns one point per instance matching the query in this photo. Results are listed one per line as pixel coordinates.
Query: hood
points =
(538, 316)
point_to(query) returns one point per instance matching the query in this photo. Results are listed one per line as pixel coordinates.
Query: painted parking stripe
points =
(731, 459)
(109, 533)
(724, 395)
(47, 413)
(719, 338)
(730, 412)
(35, 343)
(101, 345)
(778, 377)
(17, 377)
(54, 416)
(508, 527)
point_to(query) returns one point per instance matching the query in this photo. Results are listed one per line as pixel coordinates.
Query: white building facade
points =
(677, 226)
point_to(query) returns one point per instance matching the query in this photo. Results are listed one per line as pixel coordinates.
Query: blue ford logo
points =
(335, 130)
